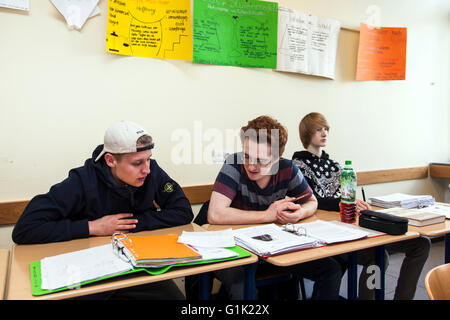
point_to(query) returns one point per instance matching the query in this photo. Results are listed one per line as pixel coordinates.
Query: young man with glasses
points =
(259, 186)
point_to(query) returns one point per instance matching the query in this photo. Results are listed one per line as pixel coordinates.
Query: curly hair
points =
(264, 129)
(308, 126)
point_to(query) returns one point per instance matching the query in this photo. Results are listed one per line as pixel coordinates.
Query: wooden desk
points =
(292, 258)
(4, 263)
(433, 231)
(22, 255)
(351, 247)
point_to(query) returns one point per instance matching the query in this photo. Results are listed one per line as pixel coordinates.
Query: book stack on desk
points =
(417, 217)
(402, 200)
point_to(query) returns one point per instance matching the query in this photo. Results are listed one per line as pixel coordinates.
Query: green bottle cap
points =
(348, 162)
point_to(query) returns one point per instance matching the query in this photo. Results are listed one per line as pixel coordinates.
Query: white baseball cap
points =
(121, 137)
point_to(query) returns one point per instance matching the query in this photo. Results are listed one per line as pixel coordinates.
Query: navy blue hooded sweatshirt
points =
(91, 192)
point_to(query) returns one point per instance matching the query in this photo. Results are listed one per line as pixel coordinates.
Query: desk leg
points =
(447, 248)
(205, 286)
(380, 261)
(249, 281)
(352, 275)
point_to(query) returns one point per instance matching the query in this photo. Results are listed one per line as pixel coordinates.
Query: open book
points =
(269, 240)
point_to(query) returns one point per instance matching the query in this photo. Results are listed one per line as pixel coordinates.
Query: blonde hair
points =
(308, 126)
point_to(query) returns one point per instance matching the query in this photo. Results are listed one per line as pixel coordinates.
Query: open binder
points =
(79, 268)
(269, 240)
(153, 251)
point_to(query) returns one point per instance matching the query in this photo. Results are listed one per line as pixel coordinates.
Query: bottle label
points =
(348, 186)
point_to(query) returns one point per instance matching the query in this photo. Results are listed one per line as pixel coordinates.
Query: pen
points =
(364, 195)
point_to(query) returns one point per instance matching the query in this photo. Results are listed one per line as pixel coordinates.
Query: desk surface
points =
(306, 255)
(19, 286)
(432, 230)
(4, 262)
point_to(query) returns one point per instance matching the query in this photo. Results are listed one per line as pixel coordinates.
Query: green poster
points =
(240, 33)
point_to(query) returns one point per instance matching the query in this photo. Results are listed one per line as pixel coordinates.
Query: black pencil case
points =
(383, 222)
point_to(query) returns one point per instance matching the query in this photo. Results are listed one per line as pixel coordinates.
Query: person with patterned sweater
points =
(323, 176)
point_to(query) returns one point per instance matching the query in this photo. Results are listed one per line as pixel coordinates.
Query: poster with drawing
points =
(235, 33)
(150, 28)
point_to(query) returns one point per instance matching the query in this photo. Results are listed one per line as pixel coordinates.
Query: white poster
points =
(306, 43)
(16, 4)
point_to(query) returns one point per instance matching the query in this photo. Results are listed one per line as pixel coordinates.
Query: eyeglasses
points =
(294, 228)
(257, 162)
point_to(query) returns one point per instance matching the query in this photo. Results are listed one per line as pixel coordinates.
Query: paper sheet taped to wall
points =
(150, 28)
(16, 4)
(381, 54)
(236, 33)
(76, 12)
(306, 43)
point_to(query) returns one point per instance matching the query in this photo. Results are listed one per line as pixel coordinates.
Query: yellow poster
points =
(150, 28)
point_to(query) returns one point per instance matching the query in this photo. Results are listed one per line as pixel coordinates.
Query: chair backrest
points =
(437, 282)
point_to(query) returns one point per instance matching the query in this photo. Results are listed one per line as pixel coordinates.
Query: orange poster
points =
(381, 54)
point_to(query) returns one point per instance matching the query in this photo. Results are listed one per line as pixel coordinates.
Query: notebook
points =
(269, 240)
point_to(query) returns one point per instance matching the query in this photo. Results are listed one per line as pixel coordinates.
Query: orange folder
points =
(158, 248)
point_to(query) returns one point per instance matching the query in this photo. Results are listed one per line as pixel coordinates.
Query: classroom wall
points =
(60, 90)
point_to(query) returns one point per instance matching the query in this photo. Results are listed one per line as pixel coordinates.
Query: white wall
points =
(59, 91)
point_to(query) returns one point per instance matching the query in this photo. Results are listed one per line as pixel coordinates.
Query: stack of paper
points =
(209, 239)
(402, 200)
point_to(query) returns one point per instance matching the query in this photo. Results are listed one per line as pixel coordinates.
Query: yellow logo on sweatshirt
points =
(168, 187)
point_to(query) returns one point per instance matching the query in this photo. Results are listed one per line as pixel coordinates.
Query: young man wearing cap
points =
(113, 192)
(258, 186)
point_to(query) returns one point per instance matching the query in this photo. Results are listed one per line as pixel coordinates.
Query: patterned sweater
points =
(323, 176)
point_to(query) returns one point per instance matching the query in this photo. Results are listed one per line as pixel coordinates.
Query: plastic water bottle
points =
(348, 193)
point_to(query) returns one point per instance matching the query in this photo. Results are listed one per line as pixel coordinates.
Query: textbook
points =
(417, 217)
(75, 269)
(269, 240)
(402, 200)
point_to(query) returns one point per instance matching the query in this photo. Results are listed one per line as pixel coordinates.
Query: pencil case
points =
(383, 222)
